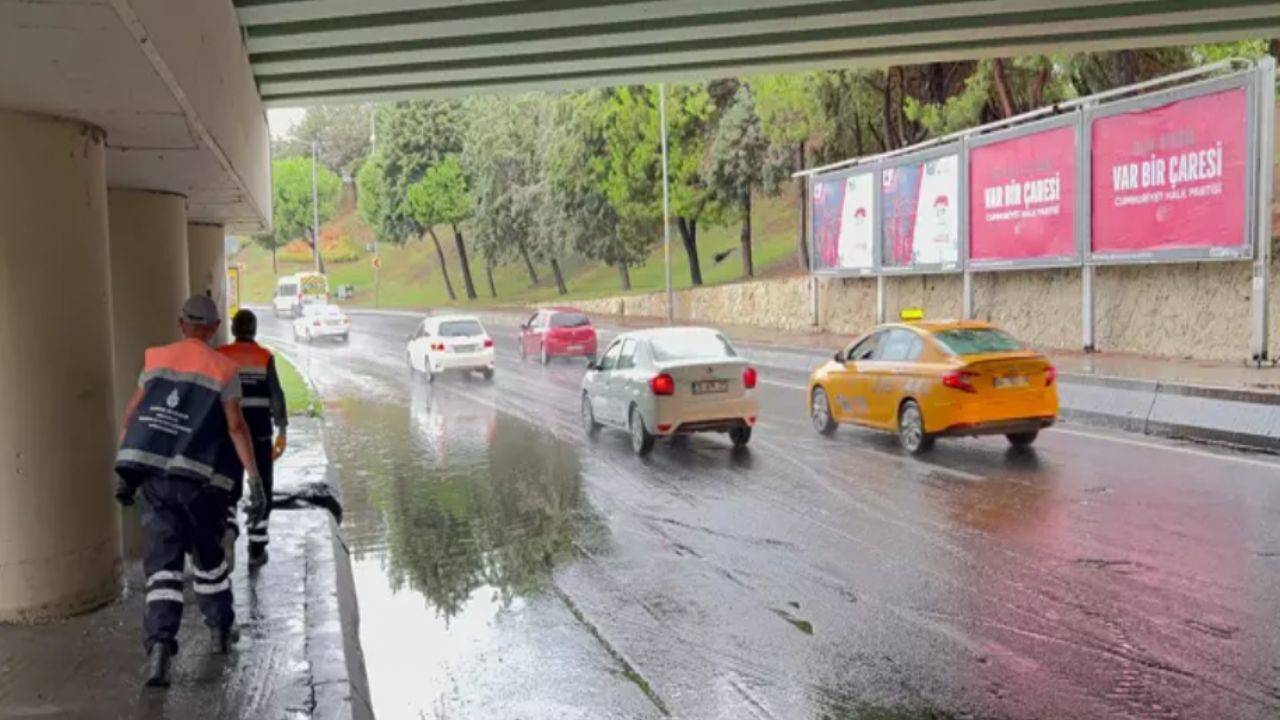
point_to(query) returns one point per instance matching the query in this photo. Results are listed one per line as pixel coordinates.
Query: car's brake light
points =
(438, 347)
(488, 342)
(1050, 376)
(316, 323)
(749, 377)
(663, 384)
(959, 380)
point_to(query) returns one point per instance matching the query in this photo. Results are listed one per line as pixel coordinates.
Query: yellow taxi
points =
(925, 380)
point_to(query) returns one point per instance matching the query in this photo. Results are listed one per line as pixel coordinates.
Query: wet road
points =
(508, 567)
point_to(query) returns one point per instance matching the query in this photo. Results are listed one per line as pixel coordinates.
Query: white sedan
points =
(450, 342)
(670, 381)
(319, 320)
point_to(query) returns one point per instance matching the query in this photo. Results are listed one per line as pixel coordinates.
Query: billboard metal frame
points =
(920, 158)
(1070, 119)
(1243, 251)
(1258, 80)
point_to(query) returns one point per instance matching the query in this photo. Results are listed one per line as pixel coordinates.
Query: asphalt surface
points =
(507, 566)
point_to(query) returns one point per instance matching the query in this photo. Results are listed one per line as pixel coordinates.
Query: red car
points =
(558, 332)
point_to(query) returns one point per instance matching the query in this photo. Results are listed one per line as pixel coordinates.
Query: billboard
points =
(843, 216)
(1172, 179)
(1022, 199)
(920, 229)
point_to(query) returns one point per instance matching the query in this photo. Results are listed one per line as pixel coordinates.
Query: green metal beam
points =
(754, 63)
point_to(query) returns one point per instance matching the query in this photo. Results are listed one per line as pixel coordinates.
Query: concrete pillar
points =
(207, 255)
(59, 529)
(150, 278)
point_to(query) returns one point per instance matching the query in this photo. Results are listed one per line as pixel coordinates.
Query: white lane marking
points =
(1172, 448)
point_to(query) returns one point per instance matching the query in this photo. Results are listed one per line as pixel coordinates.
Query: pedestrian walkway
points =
(291, 660)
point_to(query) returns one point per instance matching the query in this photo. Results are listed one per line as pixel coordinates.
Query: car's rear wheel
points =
(820, 412)
(740, 436)
(641, 438)
(1023, 439)
(589, 417)
(487, 373)
(911, 432)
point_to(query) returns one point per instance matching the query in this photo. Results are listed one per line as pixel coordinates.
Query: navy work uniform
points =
(176, 449)
(262, 403)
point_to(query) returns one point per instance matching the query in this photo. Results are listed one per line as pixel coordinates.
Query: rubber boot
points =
(158, 666)
(258, 555)
(222, 640)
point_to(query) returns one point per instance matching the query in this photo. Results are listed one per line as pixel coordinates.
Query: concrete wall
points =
(1197, 310)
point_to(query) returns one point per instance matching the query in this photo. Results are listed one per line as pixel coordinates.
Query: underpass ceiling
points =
(309, 51)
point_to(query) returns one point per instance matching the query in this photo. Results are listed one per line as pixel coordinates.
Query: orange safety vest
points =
(180, 427)
(253, 362)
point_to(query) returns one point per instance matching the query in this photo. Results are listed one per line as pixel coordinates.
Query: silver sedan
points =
(670, 381)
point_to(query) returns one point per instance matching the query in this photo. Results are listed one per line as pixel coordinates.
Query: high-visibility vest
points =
(180, 428)
(253, 360)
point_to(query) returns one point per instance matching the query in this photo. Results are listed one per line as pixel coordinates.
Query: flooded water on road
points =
(455, 515)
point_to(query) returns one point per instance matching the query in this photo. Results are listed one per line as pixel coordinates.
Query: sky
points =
(282, 120)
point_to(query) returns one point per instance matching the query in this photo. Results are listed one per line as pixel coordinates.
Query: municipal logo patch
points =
(173, 399)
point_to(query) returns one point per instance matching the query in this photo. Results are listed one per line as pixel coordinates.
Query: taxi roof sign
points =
(909, 314)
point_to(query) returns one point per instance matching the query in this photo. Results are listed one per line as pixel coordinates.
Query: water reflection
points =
(467, 497)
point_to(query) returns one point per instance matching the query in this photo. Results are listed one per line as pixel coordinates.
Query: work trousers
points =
(183, 516)
(262, 452)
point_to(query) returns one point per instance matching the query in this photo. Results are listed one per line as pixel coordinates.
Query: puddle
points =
(455, 516)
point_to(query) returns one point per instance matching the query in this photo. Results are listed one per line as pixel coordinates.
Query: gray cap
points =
(200, 310)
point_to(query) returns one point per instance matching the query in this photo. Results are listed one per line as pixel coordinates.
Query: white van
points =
(295, 291)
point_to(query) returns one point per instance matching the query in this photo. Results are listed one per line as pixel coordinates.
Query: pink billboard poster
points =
(1172, 177)
(1022, 197)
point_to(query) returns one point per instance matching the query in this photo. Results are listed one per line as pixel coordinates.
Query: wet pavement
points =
(508, 567)
(290, 662)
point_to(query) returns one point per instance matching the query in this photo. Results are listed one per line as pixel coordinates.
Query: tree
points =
(504, 157)
(413, 136)
(441, 198)
(342, 133)
(291, 186)
(273, 243)
(633, 182)
(577, 166)
(791, 115)
(737, 164)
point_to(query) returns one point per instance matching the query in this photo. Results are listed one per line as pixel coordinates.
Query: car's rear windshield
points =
(460, 328)
(288, 290)
(977, 341)
(569, 320)
(690, 345)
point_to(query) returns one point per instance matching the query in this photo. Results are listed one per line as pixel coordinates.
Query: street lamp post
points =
(666, 203)
(315, 209)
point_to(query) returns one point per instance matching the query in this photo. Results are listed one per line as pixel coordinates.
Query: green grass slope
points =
(411, 277)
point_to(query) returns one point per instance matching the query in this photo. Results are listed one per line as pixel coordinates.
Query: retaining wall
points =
(1194, 310)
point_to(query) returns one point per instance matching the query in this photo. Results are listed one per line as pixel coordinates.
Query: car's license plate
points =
(574, 348)
(704, 387)
(1011, 381)
(464, 348)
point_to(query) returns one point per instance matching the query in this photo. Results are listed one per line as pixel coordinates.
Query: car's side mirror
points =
(839, 356)
(593, 366)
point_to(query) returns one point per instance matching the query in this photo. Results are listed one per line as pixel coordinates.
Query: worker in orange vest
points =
(183, 444)
(263, 405)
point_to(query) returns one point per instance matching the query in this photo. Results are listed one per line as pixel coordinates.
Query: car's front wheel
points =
(1023, 439)
(820, 412)
(589, 417)
(911, 432)
(740, 436)
(641, 438)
